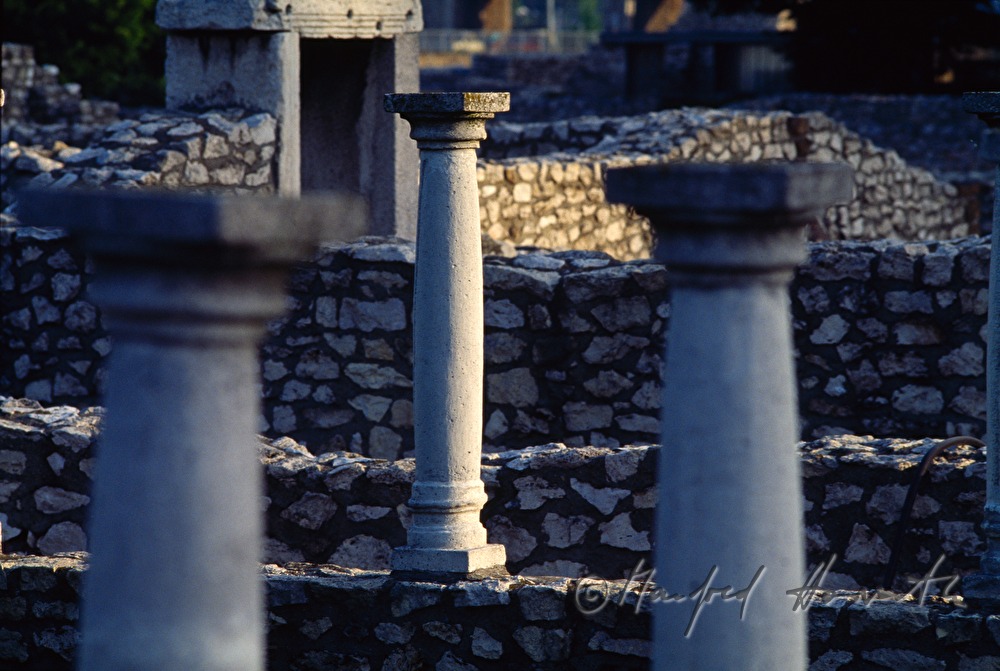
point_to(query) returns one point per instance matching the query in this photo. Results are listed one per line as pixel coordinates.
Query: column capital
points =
(985, 105)
(195, 231)
(458, 120)
(189, 268)
(989, 145)
(453, 104)
(727, 217)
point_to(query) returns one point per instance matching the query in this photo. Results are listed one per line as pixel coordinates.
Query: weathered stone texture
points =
(542, 184)
(496, 623)
(575, 511)
(572, 342)
(228, 150)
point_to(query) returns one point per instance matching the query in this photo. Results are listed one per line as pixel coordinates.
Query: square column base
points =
(982, 591)
(487, 559)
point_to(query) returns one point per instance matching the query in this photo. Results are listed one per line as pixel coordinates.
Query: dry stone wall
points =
(558, 510)
(231, 150)
(891, 337)
(501, 623)
(889, 340)
(541, 184)
(37, 106)
(51, 137)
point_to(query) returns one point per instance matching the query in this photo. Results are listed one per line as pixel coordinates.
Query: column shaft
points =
(729, 480)
(983, 589)
(176, 530)
(186, 286)
(729, 530)
(991, 513)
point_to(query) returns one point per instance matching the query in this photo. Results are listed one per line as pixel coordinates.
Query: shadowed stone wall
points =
(558, 510)
(540, 184)
(33, 92)
(382, 623)
(889, 339)
(229, 149)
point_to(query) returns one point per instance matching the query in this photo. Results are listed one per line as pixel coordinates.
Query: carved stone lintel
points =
(312, 19)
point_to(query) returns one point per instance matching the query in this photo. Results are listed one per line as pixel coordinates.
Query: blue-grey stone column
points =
(186, 285)
(983, 588)
(446, 535)
(729, 515)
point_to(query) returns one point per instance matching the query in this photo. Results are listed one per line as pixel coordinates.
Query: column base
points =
(487, 559)
(982, 591)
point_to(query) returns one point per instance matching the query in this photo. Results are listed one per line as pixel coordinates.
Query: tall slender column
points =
(186, 285)
(730, 497)
(983, 589)
(446, 535)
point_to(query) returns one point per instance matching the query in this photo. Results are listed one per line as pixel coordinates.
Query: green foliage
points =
(590, 15)
(112, 48)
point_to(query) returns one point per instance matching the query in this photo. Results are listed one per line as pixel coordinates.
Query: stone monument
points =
(321, 67)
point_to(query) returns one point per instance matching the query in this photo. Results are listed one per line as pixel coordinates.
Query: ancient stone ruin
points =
(469, 461)
(285, 59)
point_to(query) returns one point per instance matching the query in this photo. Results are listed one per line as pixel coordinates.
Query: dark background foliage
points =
(887, 46)
(113, 48)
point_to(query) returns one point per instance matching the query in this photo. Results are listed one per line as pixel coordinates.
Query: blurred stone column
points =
(730, 497)
(186, 285)
(446, 535)
(983, 588)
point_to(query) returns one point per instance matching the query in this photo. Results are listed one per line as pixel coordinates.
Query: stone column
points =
(730, 497)
(446, 535)
(186, 285)
(983, 588)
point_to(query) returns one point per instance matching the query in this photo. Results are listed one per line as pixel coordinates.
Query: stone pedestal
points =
(446, 535)
(730, 505)
(186, 285)
(321, 67)
(983, 589)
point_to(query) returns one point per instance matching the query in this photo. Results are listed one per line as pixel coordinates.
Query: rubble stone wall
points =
(889, 340)
(540, 185)
(33, 92)
(558, 510)
(543, 183)
(230, 150)
(501, 623)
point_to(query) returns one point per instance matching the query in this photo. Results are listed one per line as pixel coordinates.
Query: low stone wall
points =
(542, 183)
(558, 510)
(504, 623)
(889, 336)
(230, 149)
(33, 93)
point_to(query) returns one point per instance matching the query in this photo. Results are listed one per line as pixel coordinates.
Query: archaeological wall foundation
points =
(889, 338)
(572, 342)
